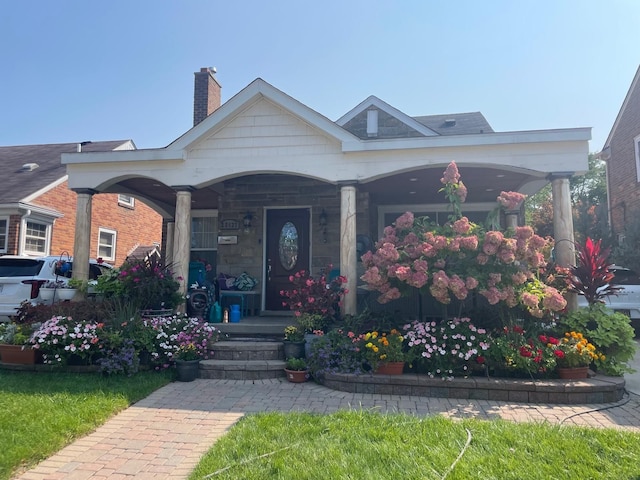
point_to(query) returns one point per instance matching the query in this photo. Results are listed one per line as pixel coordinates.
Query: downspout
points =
(22, 231)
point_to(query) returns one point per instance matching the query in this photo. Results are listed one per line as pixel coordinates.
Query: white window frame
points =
(636, 147)
(3, 245)
(23, 236)
(114, 233)
(126, 200)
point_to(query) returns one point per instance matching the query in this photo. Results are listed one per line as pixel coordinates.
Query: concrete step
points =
(248, 350)
(241, 369)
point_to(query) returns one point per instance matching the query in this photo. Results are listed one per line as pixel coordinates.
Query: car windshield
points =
(19, 267)
(626, 277)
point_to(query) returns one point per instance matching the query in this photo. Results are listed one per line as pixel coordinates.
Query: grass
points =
(42, 412)
(366, 445)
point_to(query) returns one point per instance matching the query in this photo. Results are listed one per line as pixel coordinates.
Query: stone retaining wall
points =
(598, 389)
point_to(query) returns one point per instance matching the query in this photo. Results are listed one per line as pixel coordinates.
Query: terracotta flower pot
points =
(573, 372)
(17, 355)
(297, 376)
(390, 368)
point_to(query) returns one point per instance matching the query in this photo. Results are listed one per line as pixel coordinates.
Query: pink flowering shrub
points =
(460, 258)
(315, 296)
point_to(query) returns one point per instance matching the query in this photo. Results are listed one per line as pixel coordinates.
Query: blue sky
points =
(84, 70)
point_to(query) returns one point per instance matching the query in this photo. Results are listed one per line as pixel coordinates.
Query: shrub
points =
(172, 333)
(513, 352)
(459, 258)
(611, 332)
(146, 284)
(315, 296)
(59, 338)
(336, 352)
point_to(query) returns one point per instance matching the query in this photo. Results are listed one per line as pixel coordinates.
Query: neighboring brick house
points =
(621, 152)
(38, 210)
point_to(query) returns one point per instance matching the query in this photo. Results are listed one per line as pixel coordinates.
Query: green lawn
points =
(42, 412)
(366, 445)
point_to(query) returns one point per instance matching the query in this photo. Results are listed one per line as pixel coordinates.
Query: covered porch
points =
(267, 186)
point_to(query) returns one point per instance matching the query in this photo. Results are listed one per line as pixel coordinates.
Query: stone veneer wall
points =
(254, 193)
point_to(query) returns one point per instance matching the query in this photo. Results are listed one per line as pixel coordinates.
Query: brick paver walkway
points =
(164, 435)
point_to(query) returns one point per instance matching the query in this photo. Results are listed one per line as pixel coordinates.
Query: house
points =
(621, 153)
(264, 184)
(38, 210)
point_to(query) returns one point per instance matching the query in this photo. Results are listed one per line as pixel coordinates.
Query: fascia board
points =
(625, 102)
(158, 154)
(503, 138)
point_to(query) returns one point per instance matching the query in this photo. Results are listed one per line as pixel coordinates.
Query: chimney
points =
(206, 94)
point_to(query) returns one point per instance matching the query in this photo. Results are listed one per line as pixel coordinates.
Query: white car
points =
(627, 300)
(21, 278)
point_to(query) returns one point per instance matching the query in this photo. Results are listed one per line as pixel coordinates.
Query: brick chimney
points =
(206, 94)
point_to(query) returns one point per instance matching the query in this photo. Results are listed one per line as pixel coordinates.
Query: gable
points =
(387, 121)
(264, 129)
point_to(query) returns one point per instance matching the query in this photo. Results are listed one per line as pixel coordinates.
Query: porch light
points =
(246, 221)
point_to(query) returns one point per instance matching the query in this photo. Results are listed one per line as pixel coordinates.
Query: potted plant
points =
(293, 342)
(574, 354)
(14, 344)
(296, 370)
(384, 351)
(187, 359)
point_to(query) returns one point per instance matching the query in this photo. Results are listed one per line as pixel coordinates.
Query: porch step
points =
(247, 350)
(246, 359)
(241, 369)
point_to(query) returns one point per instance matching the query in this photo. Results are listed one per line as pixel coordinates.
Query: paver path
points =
(164, 435)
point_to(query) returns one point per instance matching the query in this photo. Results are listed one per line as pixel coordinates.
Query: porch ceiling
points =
(415, 187)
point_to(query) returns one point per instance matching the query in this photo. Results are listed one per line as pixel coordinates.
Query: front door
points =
(287, 251)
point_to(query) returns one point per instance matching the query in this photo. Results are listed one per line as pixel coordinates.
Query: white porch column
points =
(563, 225)
(511, 217)
(348, 252)
(169, 243)
(182, 238)
(82, 236)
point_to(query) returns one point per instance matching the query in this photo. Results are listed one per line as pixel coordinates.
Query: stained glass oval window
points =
(288, 246)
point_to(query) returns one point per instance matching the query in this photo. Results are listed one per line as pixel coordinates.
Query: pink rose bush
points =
(460, 258)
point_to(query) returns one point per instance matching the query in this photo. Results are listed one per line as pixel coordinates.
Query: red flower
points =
(518, 329)
(558, 353)
(525, 352)
(480, 359)
(554, 341)
(543, 338)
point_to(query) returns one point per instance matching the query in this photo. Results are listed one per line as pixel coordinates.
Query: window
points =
(107, 244)
(204, 240)
(4, 230)
(36, 238)
(126, 201)
(204, 233)
(636, 144)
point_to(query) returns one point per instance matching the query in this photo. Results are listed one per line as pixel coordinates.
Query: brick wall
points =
(624, 189)
(138, 225)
